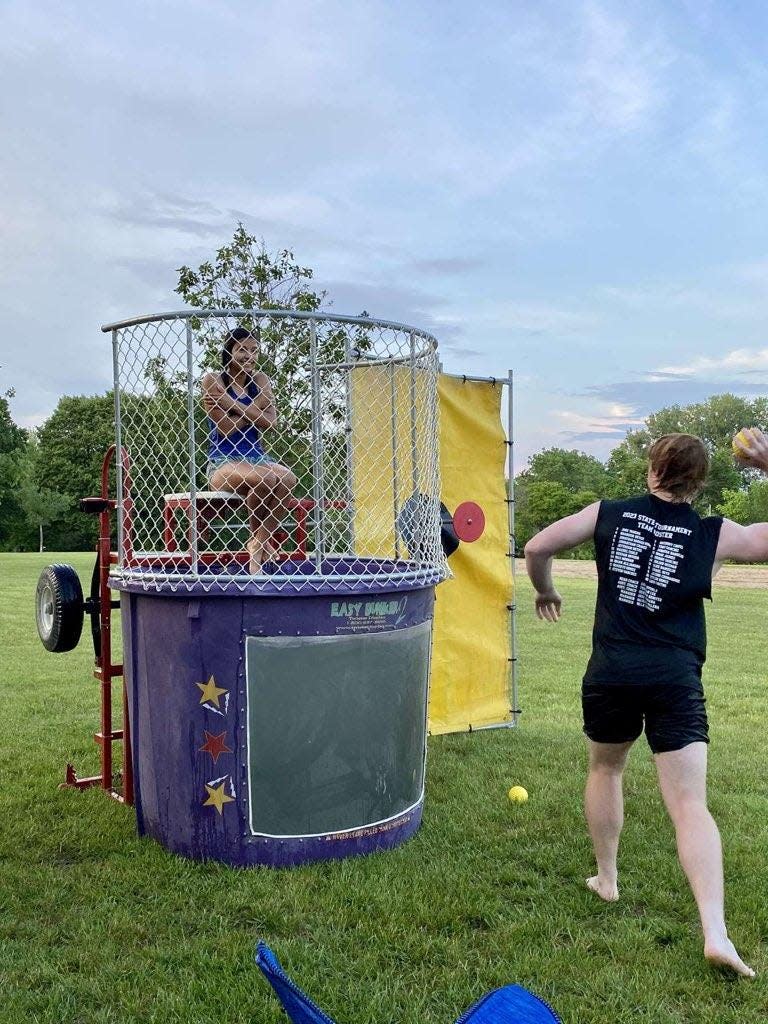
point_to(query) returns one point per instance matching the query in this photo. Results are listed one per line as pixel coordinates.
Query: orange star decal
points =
(217, 797)
(211, 692)
(215, 745)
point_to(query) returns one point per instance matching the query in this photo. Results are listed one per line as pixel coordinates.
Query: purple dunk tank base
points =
(275, 728)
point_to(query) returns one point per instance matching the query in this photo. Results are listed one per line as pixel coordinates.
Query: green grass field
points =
(97, 925)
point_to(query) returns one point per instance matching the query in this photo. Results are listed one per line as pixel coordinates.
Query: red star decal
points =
(215, 745)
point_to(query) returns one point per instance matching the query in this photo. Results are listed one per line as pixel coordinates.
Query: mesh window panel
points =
(336, 729)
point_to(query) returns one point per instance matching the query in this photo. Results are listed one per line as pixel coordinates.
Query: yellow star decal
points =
(211, 692)
(217, 797)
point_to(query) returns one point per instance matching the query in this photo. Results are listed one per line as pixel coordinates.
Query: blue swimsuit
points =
(242, 445)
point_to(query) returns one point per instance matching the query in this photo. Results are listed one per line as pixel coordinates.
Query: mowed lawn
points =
(97, 925)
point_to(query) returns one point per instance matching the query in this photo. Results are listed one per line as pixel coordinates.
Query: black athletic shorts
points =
(673, 714)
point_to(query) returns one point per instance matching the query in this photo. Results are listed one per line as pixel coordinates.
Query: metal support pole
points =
(193, 552)
(414, 438)
(349, 366)
(119, 448)
(317, 449)
(395, 480)
(511, 506)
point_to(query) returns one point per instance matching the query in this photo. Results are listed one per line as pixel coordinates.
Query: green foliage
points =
(557, 483)
(575, 470)
(72, 444)
(245, 276)
(15, 534)
(746, 506)
(42, 505)
(627, 465)
(715, 421)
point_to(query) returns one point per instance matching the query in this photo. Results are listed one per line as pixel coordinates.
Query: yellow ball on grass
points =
(518, 795)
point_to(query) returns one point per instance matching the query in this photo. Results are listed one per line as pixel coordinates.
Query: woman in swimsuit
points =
(240, 405)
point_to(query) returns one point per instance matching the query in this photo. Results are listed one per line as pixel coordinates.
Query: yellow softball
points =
(745, 439)
(518, 795)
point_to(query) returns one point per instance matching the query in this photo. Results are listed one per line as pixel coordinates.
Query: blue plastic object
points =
(509, 1005)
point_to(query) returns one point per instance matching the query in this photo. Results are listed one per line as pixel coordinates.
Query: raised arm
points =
(742, 543)
(745, 543)
(540, 550)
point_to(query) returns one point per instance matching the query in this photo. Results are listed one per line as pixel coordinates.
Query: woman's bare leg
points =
(604, 808)
(264, 488)
(683, 783)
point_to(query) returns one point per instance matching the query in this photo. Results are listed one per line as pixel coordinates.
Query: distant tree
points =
(746, 506)
(715, 421)
(539, 503)
(556, 483)
(42, 505)
(14, 531)
(573, 469)
(244, 275)
(72, 443)
(627, 465)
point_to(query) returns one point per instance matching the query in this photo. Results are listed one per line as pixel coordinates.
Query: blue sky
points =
(576, 191)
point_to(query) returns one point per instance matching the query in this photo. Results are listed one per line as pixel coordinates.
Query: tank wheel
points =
(59, 608)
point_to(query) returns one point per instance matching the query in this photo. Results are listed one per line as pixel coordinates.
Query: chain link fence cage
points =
(357, 434)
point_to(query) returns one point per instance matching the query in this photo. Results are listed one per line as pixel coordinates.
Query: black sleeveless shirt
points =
(654, 569)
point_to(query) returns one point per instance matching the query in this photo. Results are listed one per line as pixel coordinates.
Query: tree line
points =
(558, 482)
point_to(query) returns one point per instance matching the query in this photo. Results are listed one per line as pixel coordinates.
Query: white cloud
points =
(616, 418)
(739, 360)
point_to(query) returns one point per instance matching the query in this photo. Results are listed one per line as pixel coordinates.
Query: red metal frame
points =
(106, 670)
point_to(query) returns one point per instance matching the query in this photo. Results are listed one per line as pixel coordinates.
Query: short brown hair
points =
(681, 464)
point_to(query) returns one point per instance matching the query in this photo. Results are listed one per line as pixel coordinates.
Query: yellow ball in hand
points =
(518, 795)
(745, 439)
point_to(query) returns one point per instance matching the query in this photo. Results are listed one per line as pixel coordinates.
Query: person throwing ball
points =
(655, 561)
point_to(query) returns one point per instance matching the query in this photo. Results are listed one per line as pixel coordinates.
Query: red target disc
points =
(468, 521)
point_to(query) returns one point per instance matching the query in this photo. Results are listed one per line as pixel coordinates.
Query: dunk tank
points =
(279, 717)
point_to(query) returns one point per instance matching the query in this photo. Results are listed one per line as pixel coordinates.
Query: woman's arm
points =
(540, 550)
(742, 543)
(745, 543)
(220, 407)
(262, 412)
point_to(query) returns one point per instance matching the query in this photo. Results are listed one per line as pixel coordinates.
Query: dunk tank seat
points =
(211, 505)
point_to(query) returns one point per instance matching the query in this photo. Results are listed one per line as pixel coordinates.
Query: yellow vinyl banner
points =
(471, 639)
(472, 642)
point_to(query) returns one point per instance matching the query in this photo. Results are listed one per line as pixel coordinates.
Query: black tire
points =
(59, 608)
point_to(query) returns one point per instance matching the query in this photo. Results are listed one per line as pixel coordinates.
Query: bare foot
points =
(722, 953)
(608, 891)
(270, 550)
(255, 548)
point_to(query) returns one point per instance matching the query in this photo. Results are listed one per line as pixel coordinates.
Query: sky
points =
(572, 190)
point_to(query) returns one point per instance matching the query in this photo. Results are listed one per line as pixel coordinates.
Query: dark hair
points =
(681, 464)
(235, 335)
